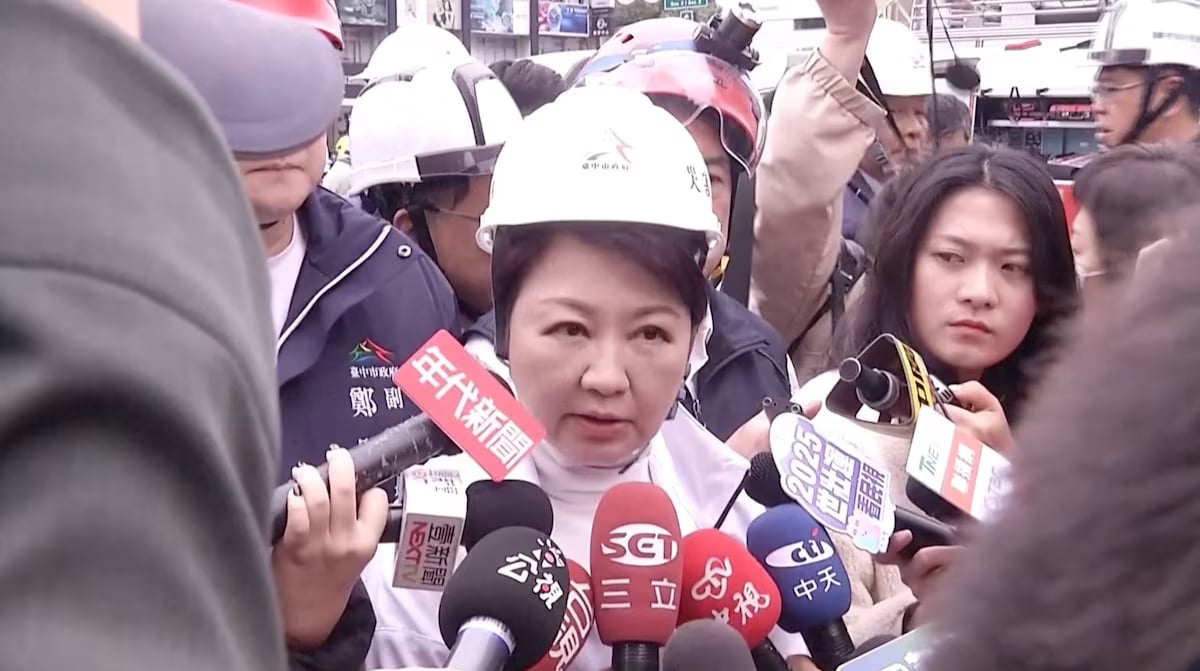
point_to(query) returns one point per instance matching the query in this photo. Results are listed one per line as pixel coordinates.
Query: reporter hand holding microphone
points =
(597, 304)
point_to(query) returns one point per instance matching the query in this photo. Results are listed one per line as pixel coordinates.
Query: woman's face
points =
(598, 349)
(973, 296)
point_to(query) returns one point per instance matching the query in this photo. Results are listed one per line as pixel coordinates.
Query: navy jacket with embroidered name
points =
(365, 300)
(746, 361)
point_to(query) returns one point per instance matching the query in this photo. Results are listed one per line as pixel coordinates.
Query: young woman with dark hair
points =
(599, 226)
(1122, 195)
(972, 268)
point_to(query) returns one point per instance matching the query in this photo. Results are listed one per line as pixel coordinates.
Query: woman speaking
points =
(599, 226)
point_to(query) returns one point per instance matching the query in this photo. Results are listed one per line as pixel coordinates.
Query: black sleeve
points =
(346, 648)
(138, 424)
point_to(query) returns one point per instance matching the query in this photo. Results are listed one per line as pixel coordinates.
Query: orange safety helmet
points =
(320, 14)
(659, 58)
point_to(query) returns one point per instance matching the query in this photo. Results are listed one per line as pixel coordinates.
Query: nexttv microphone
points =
(576, 625)
(503, 606)
(799, 556)
(636, 572)
(721, 581)
(437, 518)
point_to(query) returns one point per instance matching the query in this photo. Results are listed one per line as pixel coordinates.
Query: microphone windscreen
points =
(576, 625)
(517, 576)
(872, 643)
(707, 645)
(636, 565)
(799, 556)
(508, 503)
(722, 581)
(763, 482)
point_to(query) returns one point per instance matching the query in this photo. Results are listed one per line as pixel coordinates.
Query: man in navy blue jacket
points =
(351, 298)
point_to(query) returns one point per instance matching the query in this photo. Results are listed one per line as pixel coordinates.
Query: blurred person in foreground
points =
(1123, 196)
(138, 417)
(1147, 88)
(1092, 563)
(953, 117)
(350, 296)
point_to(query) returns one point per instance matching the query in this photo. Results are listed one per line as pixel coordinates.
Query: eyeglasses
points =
(1105, 91)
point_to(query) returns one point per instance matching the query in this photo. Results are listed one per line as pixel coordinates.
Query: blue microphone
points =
(799, 556)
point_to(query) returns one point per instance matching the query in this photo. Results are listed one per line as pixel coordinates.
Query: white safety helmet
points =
(602, 154)
(1143, 33)
(406, 44)
(899, 60)
(435, 119)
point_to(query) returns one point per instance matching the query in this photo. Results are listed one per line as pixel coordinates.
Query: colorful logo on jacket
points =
(368, 352)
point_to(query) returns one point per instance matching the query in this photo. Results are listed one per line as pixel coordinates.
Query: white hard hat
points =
(900, 61)
(407, 44)
(601, 154)
(445, 119)
(1149, 32)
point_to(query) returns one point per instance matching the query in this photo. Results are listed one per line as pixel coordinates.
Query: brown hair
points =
(1093, 562)
(1125, 191)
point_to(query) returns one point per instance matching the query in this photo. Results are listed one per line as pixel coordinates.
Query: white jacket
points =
(695, 469)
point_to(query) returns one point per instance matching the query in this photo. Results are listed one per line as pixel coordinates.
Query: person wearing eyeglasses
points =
(424, 148)
(1147, 88)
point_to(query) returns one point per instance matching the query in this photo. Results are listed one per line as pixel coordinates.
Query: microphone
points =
(434, 512)
(722, 581)
(435, 521)
(877, 389)
(762, 484)
(502, 608)
(706, 645)
(799, 556)
(377, 460)
(490, 506)
(576, 625)
(508, 503)
(636, 573)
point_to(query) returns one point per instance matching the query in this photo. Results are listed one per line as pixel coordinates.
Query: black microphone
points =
(706, 645)
(502, 608)
(492, 506)
(932, 503)
(877, 389)
(763, 486)
(378, 459)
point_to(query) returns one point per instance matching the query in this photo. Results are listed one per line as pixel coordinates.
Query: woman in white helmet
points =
(599, 231)
(1148, 86)
(425, 140)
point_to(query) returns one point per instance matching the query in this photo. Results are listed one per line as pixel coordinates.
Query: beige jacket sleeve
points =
(878, 597)
(819, 128)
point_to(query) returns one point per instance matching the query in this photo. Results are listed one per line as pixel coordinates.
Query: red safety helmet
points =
(659, 58)
(320, 14)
